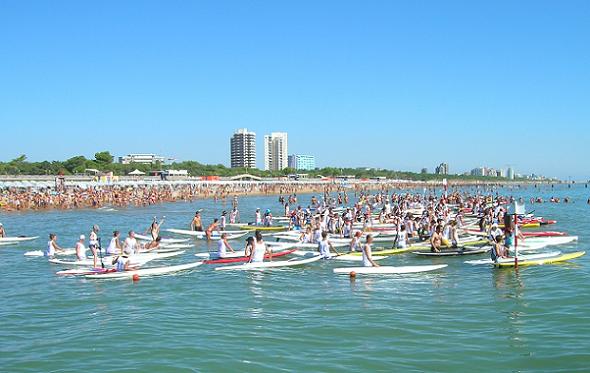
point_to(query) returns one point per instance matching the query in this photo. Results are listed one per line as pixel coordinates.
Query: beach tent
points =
(136, 173)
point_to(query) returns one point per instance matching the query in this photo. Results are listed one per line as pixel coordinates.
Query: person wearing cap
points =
(495, 231)
(2, 231)
(268, 218)
(115, 247)
(196, 223)
(80, 248)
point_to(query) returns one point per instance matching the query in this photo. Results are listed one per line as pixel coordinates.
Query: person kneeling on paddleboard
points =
(52, 246)
(325, 245)
(260, 250)
(498, 251)
(367, 253)
(223, 246)
(80, 249)
(154, 245)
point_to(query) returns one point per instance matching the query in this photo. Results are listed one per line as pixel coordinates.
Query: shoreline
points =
(141, 192)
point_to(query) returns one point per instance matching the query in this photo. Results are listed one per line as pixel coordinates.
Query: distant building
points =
(442, 169)
(302, 162)
(424, 171)
(510, 173)
(243, 149)
(142, 159)
(479, 171)
(276, 148)
(501, 173)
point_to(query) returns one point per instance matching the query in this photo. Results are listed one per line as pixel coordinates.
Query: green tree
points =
(104, 157)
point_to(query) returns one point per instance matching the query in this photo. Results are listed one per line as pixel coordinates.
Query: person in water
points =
(196, 223)
(212, 228)
(367, 253)
(260, 250)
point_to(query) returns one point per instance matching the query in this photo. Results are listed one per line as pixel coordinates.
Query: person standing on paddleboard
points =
(2, 231)
(80, 248)
(93, 244)
(223, 221)
(367, 253)
(260, 250)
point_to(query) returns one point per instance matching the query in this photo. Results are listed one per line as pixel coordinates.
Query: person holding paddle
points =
(325, 245)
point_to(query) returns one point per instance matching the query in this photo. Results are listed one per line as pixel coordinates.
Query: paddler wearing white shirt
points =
(367, 254)
(80, 248)
(325, 245)
(258, 220)
(130, 244)
(223, 221)
(115, 247)
(355, 243)
(260, 250)
(52, 246)
(93, 243)
(223, 246)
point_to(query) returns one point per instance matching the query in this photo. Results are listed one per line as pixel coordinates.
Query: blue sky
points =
(394, 84)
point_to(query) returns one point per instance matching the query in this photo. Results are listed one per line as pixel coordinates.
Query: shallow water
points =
(462, 318)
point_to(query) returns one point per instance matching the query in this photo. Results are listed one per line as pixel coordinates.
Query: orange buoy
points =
(135, 277)
(352, 274)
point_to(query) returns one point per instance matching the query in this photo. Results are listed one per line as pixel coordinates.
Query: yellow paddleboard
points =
(421, 247)
(556, 259)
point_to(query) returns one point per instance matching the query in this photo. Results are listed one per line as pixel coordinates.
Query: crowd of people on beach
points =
(24, 199)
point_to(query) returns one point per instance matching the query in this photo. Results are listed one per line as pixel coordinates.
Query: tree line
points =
(104, 162)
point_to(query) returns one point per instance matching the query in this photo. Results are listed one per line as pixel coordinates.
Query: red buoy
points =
(352, 274)
(135, 277)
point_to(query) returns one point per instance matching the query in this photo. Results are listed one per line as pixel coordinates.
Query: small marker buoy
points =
(352, 274)
(135, 277)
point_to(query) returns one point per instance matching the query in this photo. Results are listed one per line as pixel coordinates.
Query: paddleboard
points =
(270, 265)
(145, 272)
(556, 259)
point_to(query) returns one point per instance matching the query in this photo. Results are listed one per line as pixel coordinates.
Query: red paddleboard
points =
(242, 259)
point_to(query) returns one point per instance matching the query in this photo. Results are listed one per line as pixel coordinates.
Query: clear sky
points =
(393, 84)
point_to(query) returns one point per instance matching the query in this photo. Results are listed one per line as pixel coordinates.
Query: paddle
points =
(100, 252)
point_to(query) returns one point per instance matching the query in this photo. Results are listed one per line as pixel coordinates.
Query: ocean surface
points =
(461, 319)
